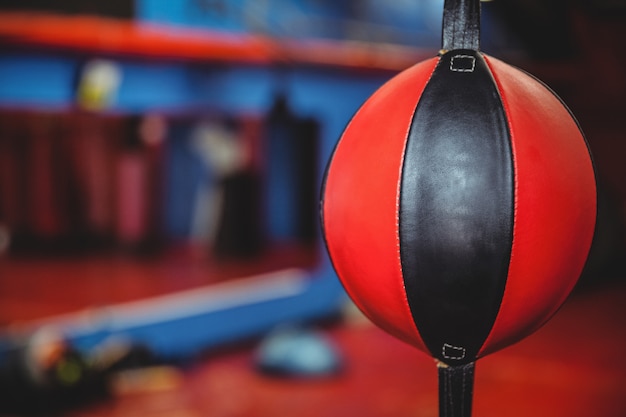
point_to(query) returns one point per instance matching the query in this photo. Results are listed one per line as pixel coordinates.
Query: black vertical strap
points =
(456, 386)
(461, 25)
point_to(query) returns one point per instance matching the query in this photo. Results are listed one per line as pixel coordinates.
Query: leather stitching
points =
(449, 351)
(458, 67)
(399, 190)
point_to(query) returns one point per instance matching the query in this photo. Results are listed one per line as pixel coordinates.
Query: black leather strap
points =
(456, 386)
(461, 25)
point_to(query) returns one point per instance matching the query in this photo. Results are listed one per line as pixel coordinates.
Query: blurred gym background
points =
(160, 166)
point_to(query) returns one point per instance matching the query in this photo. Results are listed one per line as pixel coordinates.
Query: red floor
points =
(573, 367)
(33, 288)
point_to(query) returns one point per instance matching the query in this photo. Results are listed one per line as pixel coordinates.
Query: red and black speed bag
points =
(459, 205)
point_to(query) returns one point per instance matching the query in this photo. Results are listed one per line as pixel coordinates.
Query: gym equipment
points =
(459, 205)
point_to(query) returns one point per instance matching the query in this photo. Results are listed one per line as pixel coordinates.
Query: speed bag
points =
(459, 205)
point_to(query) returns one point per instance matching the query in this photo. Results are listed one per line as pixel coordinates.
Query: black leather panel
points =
(456, 208)
(461, 25)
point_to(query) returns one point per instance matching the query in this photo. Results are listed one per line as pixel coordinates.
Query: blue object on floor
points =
(298, 352)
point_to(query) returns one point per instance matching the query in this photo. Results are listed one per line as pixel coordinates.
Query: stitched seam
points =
(462, 69)
(507, 113)
(450, 396)
(454, 348)
(398, 190)
(463, 374)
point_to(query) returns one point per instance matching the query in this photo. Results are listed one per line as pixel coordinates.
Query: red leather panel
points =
(555, 206)
(361, 202)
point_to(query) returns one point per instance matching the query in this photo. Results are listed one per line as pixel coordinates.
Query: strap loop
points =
(461, 25)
